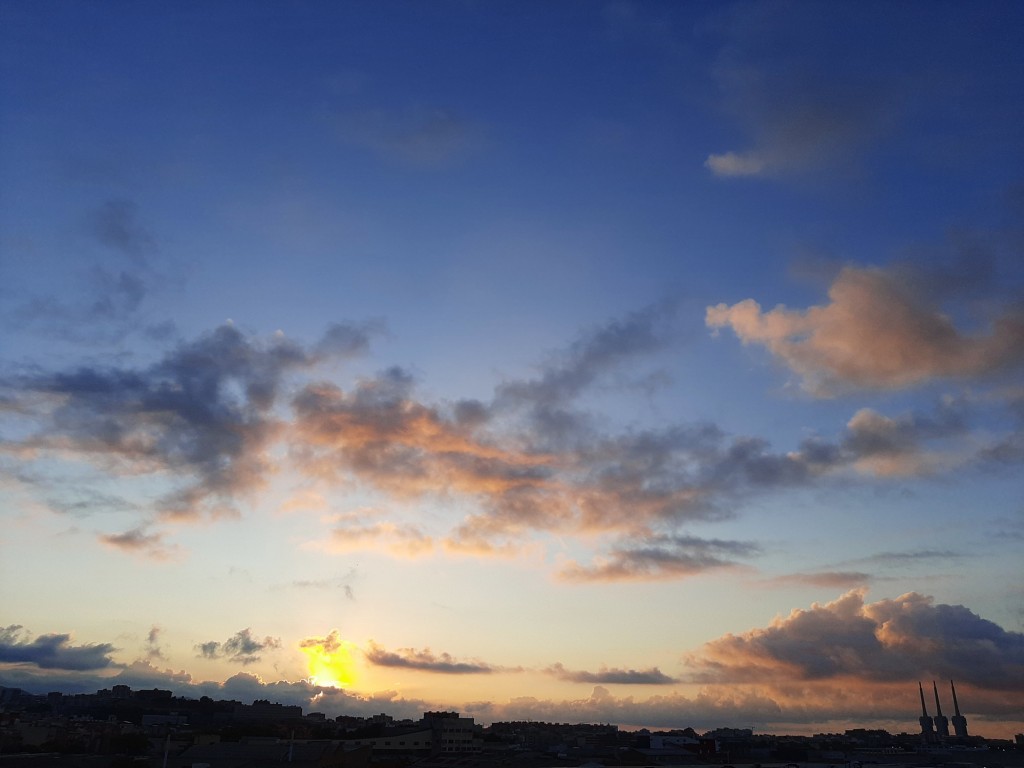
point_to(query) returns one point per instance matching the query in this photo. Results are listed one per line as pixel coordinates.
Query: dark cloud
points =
(343, 341)
(328, 644)
(661, 557)
(153, 650)
(907, 638)
(596, 353)
(606, 676)
(52, 651)
(204, 413)
(425, 661)
(86, 501)
(241, 647)
(547, 400)
(138, 541)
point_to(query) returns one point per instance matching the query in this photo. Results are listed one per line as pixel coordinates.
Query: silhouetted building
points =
(959, 721)
(451, 733)
(941, 723)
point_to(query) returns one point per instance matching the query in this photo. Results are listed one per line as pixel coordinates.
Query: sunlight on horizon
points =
(332, 668)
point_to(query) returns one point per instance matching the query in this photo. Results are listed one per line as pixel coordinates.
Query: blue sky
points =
(571, 361)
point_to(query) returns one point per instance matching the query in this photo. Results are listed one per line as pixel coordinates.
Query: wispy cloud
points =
(113, 285)
(769, 75)
(116, 224)
(153, 649)
(911, 557)
(426, 661)
(829, 579)
(661, 557)
(421, 137)
(138, 541)
(612, 676)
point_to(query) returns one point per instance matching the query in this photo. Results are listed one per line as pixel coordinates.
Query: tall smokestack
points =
(959, 721)
(941, 723)
(927, 732)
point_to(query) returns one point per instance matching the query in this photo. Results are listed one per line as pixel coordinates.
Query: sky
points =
(651, 363)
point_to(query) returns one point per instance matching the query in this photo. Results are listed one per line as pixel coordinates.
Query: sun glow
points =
(330, 662)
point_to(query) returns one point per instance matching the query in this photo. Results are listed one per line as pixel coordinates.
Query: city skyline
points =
(638, 362)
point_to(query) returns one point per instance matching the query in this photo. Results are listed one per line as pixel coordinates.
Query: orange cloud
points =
(379, 434)
(876, 332)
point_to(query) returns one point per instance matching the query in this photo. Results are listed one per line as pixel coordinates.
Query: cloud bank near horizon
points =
(848, 660)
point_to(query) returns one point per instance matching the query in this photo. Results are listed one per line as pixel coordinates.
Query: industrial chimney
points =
(959, 721)
(927, 732)
(941, 723)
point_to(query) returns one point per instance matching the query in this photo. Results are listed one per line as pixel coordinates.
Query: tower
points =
(927, 732)
(941, 723)
(959, 721)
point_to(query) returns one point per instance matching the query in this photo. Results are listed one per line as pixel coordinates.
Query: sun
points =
(330, 664)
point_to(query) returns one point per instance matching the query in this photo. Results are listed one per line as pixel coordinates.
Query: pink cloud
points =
(876, 332)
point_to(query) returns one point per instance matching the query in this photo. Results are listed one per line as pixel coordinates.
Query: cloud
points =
(529, 462)
(153, 650)
(595, 353)
(913, 556)
(661, 557)
(786, 708)
(565, 375)
(204, 414)
(421, 137)
(425, 661)
(138, 541)
(379, 434)
(606, 676)
(903, 639)
(116, 225)
(876, 332)
(52, 651)
(240, 648)
(243, 686)
(329, 644)
(812, 670)
(732, 164)
(209, 417)
(111, 289)
(808, 99)
(340, 582)
(830, 579)
(352, 532)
